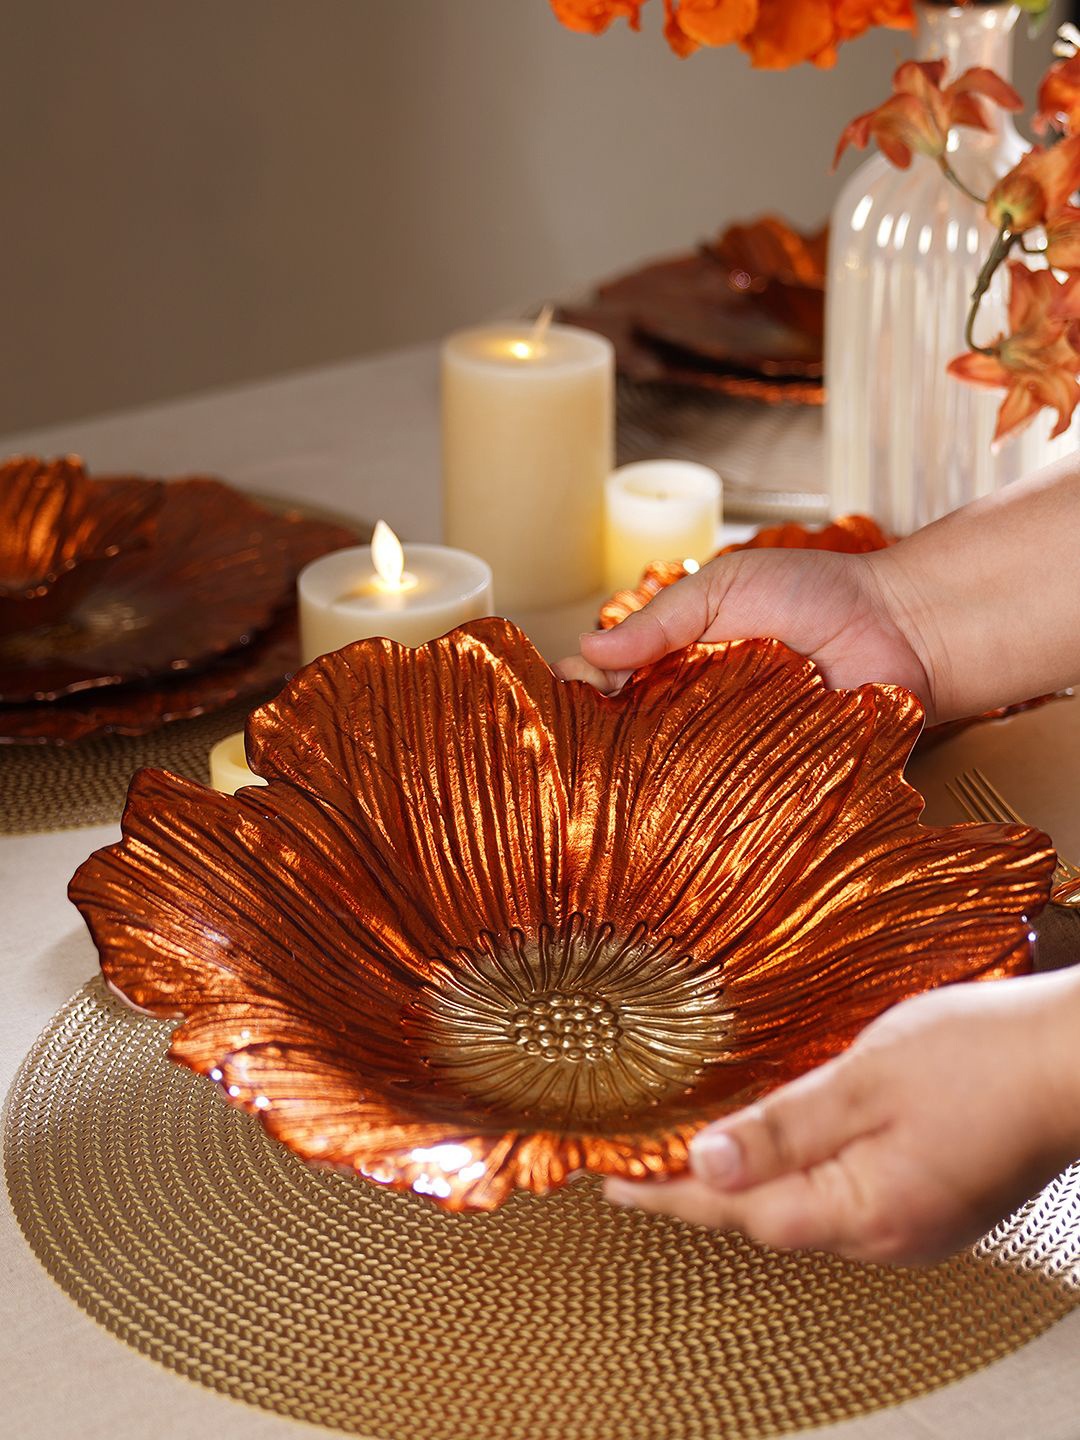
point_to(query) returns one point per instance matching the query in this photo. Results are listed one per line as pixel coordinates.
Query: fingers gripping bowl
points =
(484, 928)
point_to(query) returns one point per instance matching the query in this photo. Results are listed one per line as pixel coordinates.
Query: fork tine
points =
(972, 799)
(953, 787)
(996, 798)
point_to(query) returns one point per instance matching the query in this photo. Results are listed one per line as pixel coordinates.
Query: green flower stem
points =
(999, 253)
(951, 175)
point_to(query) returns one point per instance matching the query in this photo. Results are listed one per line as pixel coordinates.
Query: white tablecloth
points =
(361, 438)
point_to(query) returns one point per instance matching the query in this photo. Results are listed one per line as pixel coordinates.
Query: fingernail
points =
(620, 1192)
(716, 1157)
(591, 635)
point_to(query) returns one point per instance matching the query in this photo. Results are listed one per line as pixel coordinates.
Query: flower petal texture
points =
(483, 928)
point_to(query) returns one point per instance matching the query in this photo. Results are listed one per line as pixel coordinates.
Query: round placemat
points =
(771, 457)
(50, 787)
(179, 1225)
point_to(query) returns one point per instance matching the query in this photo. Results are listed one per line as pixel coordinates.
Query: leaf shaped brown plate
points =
(253, 671)
(741, 317)
(59, 532)
(216, 573)
(484, 928)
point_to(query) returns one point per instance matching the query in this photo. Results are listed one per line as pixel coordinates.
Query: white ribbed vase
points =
(905, 442)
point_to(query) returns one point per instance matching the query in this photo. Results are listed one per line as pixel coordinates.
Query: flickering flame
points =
(387, 556)
(691, 567)
(534, 345)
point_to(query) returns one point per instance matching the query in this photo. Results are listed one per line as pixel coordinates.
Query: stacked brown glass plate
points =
(128, 603)
(741, 316)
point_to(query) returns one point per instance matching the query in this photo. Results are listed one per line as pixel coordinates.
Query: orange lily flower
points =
(1036, 364)
(1063, 239)
(917, 117)
(1059, 97)
(1038, 189)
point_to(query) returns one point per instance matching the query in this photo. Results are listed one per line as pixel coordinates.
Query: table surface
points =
(362, 438)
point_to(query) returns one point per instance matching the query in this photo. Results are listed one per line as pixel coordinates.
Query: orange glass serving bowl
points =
(484, 928)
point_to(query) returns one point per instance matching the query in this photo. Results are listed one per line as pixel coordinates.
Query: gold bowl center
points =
(574, 1025)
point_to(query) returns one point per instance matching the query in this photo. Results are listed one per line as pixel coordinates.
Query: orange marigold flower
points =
(483, 928)
(776, 33)
(713, 22)
(1059, 97)
(1037, 189)
(787, 34)
(1036, 363)
(917, 117)
(855, 17)
(592, 17)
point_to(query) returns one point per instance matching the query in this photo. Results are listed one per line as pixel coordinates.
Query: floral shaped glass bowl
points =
(483, 928)
(60, 531)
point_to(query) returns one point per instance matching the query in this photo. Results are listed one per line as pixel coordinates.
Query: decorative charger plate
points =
(176, 1223)
(60, 530)
(214, 575)
(250, 670)
(742, 316)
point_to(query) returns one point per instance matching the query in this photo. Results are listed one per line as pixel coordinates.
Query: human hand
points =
(945, 1115)
(840, 610)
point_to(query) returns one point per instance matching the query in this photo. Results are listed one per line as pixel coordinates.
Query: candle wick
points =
(540, 329)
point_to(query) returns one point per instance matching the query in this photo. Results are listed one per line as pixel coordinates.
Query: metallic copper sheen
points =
(215, 575)
(484, 928)
(742, 316)
(60, 532)
(253, 671)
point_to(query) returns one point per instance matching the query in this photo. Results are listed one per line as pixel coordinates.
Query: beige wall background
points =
(198, 192)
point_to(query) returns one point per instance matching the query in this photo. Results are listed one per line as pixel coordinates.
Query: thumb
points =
(674, 618)
(801, 1125)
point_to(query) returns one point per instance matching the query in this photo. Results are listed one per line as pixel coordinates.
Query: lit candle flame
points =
(691, 567)
(387, 556)
(526, 349)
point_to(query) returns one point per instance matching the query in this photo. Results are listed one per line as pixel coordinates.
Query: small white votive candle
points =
(659, 510)
(228, 765)
(412, 594)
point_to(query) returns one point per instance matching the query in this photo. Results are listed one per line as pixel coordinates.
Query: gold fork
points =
(981, 801)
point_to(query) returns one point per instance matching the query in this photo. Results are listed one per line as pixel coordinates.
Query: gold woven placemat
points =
(48, 787)
(175, 1222)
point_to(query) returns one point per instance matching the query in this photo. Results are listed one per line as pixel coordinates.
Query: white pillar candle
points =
(528, 439)
(228, 765)
(659, 510)
(411, 595)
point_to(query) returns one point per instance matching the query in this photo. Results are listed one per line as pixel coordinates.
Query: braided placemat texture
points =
(179, 1225)
(48, 787)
